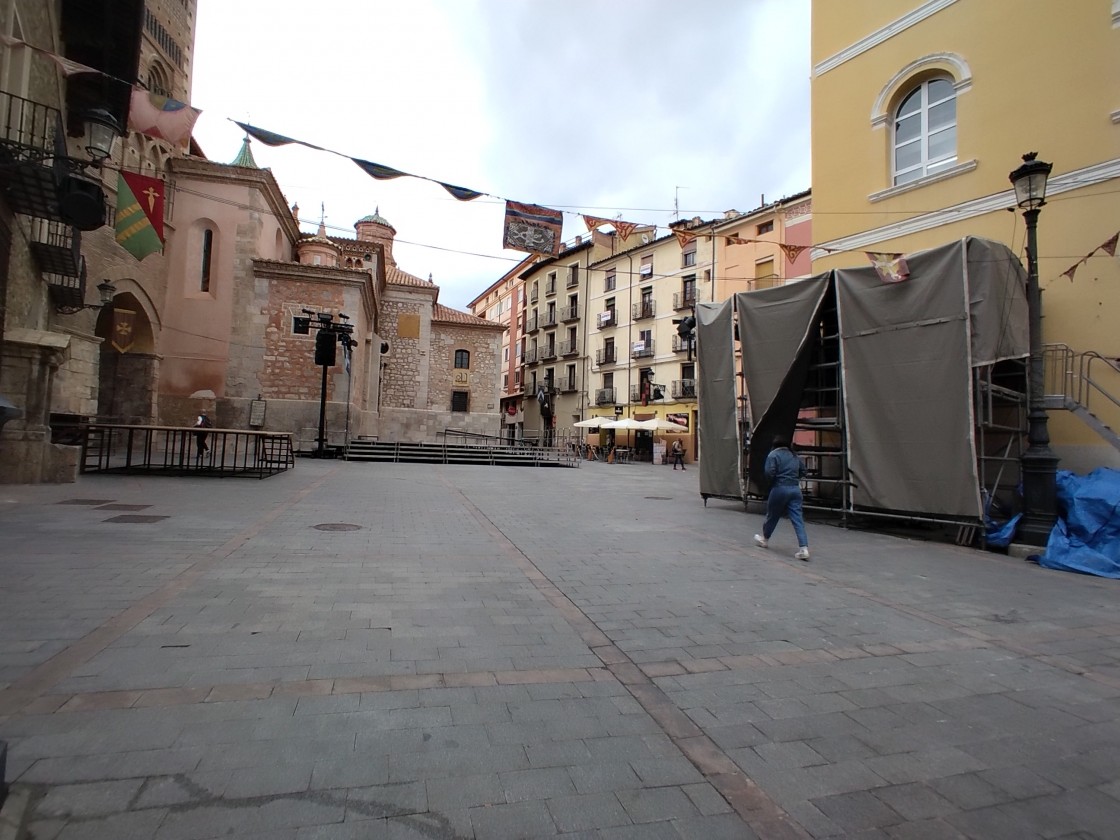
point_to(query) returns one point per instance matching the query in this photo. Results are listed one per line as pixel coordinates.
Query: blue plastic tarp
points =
(1086, 537)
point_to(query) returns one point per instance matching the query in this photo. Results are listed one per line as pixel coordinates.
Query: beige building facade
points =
(920, 110)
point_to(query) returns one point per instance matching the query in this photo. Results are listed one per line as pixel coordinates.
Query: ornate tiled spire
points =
(245, 156)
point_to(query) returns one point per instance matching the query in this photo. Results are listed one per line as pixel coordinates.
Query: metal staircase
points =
(1085, 384)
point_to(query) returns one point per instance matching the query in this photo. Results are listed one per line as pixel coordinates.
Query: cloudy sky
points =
(641, 109)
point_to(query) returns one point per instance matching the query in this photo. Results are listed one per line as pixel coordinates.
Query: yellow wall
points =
(1034, 75)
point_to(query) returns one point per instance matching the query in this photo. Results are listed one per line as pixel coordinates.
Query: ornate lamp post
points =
(1039, 464)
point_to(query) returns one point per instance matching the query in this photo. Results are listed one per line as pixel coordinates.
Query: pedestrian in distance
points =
(678, 453)
(203, 422)
(785, 471)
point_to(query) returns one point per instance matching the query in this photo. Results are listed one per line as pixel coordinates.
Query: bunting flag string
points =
(529, 227)
(891, 268)
(792, 252)
(594, 222)
(1108, 246)
(67, 66)
(684, 238)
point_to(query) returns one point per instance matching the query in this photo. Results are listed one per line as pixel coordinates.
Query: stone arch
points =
(917, 71)
(128, 380)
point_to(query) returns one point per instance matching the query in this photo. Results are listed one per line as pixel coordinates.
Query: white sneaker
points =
(760, 540)
(802, 553)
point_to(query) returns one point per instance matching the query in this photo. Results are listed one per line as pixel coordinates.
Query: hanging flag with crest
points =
(892, 268)
(123, 330)
(532, 228)
(160, 116)
(139, 214)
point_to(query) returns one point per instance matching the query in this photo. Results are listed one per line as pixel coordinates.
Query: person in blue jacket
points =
(785, 471)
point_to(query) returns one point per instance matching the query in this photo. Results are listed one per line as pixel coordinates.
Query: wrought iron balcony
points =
(56, 247)
(684, 300)
(550, 285)
(683, 389)
(680, 345)
(548, 319)
(573, 278)
(641, 349)
(533, 295)
(606, 356)
(568, 384)
(532, 325)
(642, 310)
(569, 313)
(68, 291)
(604, 396)
(608, 318)
(569, 348)
(547, 352)
(529, 357)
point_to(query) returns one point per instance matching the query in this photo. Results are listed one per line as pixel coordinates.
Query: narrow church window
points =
(207, 253)
(462, 359)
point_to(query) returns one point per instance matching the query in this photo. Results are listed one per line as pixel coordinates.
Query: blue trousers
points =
(785, 500)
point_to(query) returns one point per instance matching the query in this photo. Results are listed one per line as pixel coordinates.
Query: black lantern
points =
(102, 131)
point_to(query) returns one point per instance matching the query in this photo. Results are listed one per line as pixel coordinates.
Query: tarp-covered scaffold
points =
(906, 355)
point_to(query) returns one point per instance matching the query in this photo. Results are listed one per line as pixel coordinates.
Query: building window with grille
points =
(207, 257)
(462, 359)
(925, 131)
(460, 401)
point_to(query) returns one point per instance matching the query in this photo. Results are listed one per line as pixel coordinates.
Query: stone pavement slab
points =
(511, 652)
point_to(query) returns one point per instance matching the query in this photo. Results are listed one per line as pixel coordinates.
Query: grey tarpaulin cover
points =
(720, 451)
(779, 326)
(907, 351)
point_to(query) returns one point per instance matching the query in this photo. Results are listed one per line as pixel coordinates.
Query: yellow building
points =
(920, 110)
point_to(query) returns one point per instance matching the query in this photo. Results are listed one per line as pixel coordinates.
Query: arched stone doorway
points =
(129, 366)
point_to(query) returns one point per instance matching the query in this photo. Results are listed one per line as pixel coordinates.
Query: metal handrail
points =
(1069, 375)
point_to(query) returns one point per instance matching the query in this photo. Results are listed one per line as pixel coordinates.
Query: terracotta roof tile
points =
(446, 315)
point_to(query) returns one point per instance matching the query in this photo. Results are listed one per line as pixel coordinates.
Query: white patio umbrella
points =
(591, 423)
(624, 423)
(657, 424)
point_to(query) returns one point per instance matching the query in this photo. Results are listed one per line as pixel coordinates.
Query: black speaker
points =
(325, 348)
(81, 202)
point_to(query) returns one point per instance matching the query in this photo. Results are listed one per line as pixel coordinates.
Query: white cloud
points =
(585, 106)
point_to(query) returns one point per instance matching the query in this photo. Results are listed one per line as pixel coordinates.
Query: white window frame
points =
(925, 165)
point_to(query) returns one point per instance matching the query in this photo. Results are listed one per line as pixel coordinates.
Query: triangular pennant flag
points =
(461, 193)
(161, 117)
(624, 228)
(122, 333)
(532, 228)
(139, 226)
(684, 238)
(1069, 272)
(269, 138)
(69, 68)
(594, 222)
(792, 252)
(1109, 246)
(376, 170)
(891, 268)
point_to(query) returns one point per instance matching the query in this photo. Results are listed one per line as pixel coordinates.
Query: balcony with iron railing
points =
(641, 349)
(606, 356)
(534, 295)
(550, 285)
(684, 300)
(548, 319)
(643, 309)
(569, 384)
(569, 348)
(604, 396)
(68, 291)
(607, 318)
(57, 247)
(683, 389)
(680, 344)
(547, 352)
(532, 325)
(529, 357)
(569, 313)
(573, 278)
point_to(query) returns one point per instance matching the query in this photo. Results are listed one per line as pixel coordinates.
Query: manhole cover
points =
(336, 526)
(661, 498)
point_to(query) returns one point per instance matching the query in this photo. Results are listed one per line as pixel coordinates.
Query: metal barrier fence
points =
(183, 450)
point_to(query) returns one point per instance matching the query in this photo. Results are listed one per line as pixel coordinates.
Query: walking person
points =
(203, 422)
(785, 471)
(678, 453)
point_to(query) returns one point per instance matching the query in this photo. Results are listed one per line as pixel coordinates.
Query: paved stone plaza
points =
(519, 653)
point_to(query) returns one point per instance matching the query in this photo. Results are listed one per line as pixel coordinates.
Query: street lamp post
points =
(1039, 464)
